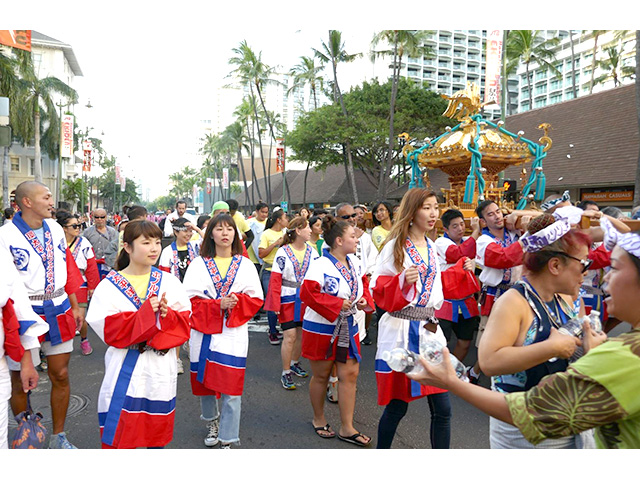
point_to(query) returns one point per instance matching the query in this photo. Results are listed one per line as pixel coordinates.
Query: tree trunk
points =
(264, 166)
(505, 81)
(37, 169)
(384, 170)
(573, 65)
(304, 189)
(529, 85)
(5, 179)
(254, 183)
(636, 194)
(244, 176)
(593, 62)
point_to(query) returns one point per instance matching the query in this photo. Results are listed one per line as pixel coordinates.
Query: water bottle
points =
(403, 361)
(431, 351)
(574, 327)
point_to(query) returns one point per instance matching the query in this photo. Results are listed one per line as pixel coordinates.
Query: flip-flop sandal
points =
(324, 429)
(354, 440)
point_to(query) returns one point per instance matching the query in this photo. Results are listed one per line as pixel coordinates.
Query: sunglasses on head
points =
(347, 217)
(76, 226)
(96, 216)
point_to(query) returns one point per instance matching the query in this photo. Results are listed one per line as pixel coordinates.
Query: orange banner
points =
(16, 38)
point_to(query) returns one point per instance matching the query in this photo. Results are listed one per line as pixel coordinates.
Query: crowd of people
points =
(328, 282)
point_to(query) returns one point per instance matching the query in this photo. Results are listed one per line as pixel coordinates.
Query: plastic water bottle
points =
(575, 325)
(431, 351)
(403, 361)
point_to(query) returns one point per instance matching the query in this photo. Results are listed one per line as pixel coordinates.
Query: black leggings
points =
(440, 430)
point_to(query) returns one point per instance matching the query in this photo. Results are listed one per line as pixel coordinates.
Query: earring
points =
(411, 224)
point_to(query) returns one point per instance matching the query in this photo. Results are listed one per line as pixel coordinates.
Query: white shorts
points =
(47, 350)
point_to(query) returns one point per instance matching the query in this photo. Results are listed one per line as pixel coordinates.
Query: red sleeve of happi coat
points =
(74, 277)
(367, 295)
(93, 276)
(272, 302)
(326, 305)
(206, 315)
(244, 251)
(11, 326)
(244, 310)
(389, 296)
(497, 256)
(165, 269)
(124, 329)
(175, 329)
(465, 249)
(601, 258)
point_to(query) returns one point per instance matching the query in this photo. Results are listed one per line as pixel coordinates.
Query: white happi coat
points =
(227, 351)
(34, 275)
(151, 392)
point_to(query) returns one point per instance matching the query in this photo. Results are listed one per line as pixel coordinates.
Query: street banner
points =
(86, 163)
(209, 182)
(492, 67)
(225, 178)
(195, 193)
(16, 38)
(123, 182)
(117, 174)
(280, 156)
(66, 140)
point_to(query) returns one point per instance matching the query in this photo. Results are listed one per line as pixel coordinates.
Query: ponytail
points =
(333, 228)
(291, 235)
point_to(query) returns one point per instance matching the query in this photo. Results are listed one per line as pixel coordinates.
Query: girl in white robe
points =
(225, 294)
(141, 313)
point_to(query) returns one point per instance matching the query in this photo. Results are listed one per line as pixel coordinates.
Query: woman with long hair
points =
(407, 285)
(270, 240)
(334, 287)
(85, 259)
(383, 221)
(290, 265)
(225, 294)
(599, 390)
(141, 313)
(315, 239)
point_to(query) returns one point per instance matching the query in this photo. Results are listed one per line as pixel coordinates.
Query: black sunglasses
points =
(347, 217)
(585, 263)
(76, 226)
(95, 216)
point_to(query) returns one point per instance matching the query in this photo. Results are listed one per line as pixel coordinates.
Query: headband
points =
(182, 228)
(573, 214)
(629, 242)
(545, 237)
(552, 203)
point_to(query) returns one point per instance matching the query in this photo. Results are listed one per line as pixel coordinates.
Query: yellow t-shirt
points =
(252, 254)
(268, 238)
(140, 283)
(223, 264)
(241, 222)
(424, 253)
(378, 235)
(299, 254)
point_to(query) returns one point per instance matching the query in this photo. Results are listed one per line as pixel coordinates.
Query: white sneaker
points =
(180, 367)
(211, 439)
(59, 440)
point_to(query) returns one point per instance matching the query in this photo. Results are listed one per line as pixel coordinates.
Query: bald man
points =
(104, 240)
(46, 267)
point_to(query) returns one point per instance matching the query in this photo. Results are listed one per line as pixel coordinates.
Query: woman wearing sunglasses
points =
(85, 259)
(521, 343)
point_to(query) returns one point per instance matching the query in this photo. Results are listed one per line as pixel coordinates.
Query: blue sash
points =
(46, 252)
(299, 272)
(129, 364)
(426, 269)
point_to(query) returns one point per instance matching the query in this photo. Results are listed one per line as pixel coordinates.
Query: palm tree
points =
(411, 43)
(235, 135)
(612, 66)
(528, 46)
(333, 52)
(244, 114)
(596, 34)
(573, 65)
(307, 72)
(37, 96)
(73, 190)
(251, 71)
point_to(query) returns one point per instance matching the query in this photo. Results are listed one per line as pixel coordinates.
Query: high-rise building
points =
(549, 88)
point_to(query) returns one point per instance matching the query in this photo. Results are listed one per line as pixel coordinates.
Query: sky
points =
(150, 70)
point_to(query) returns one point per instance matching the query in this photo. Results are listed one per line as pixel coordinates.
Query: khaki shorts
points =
(47, 350)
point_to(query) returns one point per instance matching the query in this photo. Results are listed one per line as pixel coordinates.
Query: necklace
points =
(553, 316)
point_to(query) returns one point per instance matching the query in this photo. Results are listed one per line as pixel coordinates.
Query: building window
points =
(15, 164)
(540, 89)
(555, 99)
(32, 166)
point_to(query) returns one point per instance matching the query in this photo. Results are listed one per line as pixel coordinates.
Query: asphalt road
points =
(272, 417)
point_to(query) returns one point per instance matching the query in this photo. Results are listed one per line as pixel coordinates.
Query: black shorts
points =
(464, 328)
(290, 325)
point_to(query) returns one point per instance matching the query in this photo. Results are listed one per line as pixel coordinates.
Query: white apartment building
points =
(549, 89)
(459, 57)
(54, 58)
